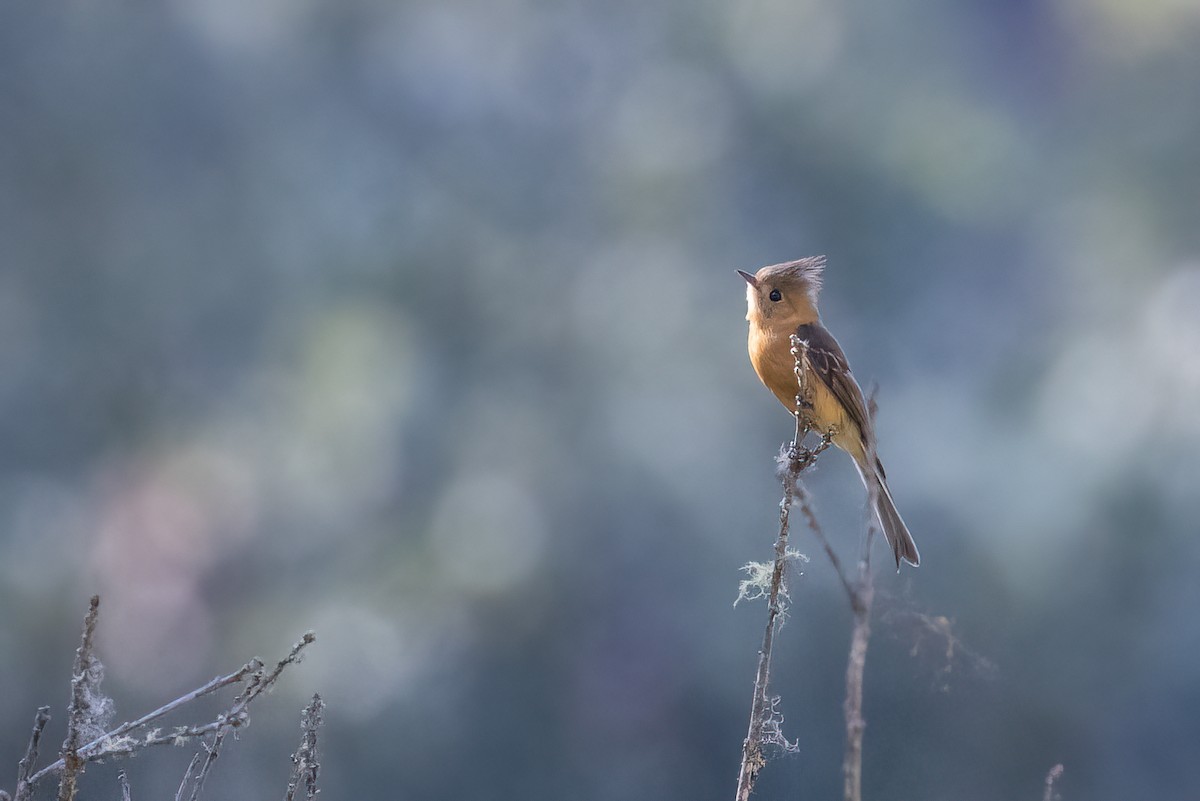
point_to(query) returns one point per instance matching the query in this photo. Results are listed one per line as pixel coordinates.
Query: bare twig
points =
(127, 739)
(124, 780)
(1054, 775)
(810, 517)
(187, 776)
(753, 760)
(861, 600)
(794, 459)
(176, 736)
(117, 741)
(860, 593)
(89, 708)
(77, 710)
(237, 714)
(305, 766)
(29, 761)
(862, 596)
(214, 685)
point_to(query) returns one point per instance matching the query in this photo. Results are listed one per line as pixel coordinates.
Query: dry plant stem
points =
(103, 747)
(187, 777)
(860, 603)
(1054, 775)
(798, 459)
(862, 596)
(237, 713)
(124, 780)
(752, 748)
(177, 735)
(305, 766)
(72, 763)
(120, 743)
(166, 709)
(29, 761)
(860, 592)
(810, 517)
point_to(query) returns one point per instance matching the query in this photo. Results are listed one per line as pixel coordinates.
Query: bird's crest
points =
(806, 272)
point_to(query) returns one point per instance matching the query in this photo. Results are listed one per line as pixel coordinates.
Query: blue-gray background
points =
(416, 324)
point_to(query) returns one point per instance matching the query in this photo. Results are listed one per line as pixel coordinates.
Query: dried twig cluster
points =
(89, 739)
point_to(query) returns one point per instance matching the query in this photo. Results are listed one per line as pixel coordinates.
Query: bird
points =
(781, 300)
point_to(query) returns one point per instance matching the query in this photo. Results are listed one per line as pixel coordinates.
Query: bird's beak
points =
(750, 279)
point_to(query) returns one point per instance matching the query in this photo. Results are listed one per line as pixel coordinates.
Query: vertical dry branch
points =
(78, 709)
(124, 782)
(860, 603)
(29, 761)
(794, 459)
(860, 592)
(187, 776)
(1054, 775)
(305, 767)
(861, 596)
(753, 760)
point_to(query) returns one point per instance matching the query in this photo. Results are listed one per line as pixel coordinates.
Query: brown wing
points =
(829, 363)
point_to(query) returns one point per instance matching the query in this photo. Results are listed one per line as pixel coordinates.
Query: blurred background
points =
(416, 324)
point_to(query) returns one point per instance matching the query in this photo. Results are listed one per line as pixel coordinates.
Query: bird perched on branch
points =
(781, 301)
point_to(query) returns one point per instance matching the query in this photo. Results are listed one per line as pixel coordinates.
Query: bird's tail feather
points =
(890, 521)
(893, 527)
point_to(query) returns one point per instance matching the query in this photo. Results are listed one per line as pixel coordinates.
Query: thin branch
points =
(305, 766)
(88, 707)
(187, 776)
(124, 780)
(810, 517)
(753, 760)
(794, 459)
(1054, 775)
(29, 761)
(121, 742)
(110, 744)
(216, 684)
(176, 736)
(861, 599)
(237, 714)
(77, 711)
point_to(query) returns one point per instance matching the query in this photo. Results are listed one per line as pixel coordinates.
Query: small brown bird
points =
(781, 300)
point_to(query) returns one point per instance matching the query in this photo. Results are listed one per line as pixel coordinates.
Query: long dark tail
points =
(893, 527)
(889, 519)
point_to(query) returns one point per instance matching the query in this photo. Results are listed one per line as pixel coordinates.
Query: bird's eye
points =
(775, 296)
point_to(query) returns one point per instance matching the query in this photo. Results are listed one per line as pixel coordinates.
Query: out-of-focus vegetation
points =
(416, 324)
